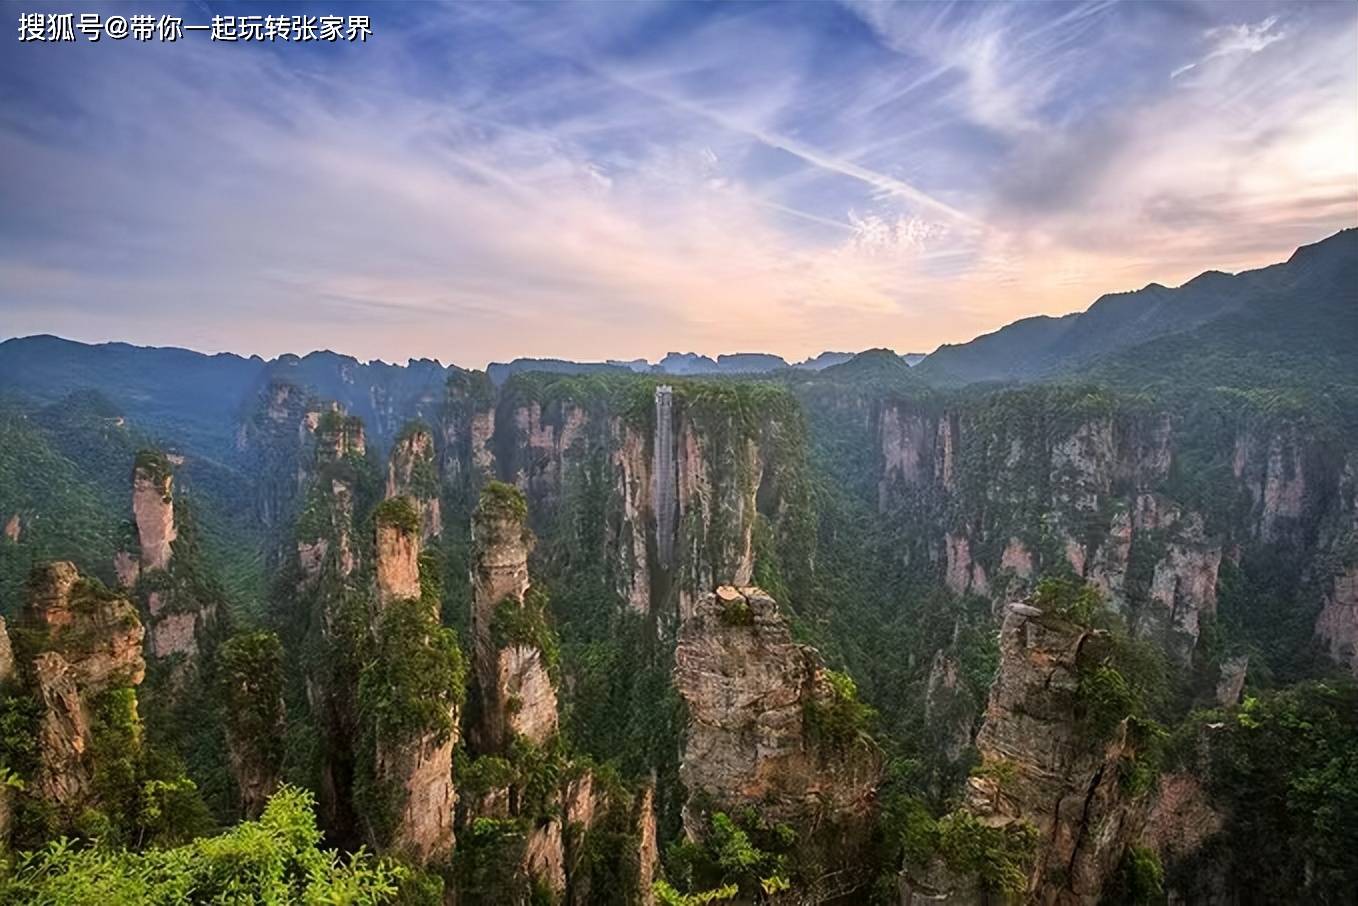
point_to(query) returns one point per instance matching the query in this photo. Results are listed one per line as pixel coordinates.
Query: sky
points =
(480, 182)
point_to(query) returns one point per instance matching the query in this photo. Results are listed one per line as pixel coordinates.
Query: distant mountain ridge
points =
(1284, 319)
(682, 364)
(1043, 346)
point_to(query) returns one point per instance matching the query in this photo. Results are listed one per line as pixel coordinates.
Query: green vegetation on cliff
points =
(398, 512)
(1284, 767)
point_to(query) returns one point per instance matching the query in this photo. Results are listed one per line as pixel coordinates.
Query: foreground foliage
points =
(274, 860)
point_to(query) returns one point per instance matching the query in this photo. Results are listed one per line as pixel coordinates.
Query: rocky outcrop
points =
(1082, 467)
(339, 436)
(1042, 764)
(65, 776)
(467, 424)
(173, 634)
(544, 857)
(678, 486)
(717, 489)
(397, 550)
(178, 613)
(275, 442)
(589, 807)
(752, 739)
(908, 450)
(648, 847)
(1183, 585)
(126, 568)
(1231, 682)
(411, 765)
(92, 644)
(153, 509)
(412, 472)
(329, 572)
(529, 695)
(1017, 559)
(517, 692)
(544, 444)
(423, 772)
(95, 630)
(1092, 484)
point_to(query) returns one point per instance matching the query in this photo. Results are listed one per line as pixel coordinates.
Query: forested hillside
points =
(319, 631)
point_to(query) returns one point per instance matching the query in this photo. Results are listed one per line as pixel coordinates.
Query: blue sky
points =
(484, 181)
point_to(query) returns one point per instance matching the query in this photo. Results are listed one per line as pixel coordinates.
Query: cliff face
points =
(417, 762)
(335, 601)
(1337, 575)
(1272, 468)
(412, 472)
(92, 644)
(467, 424)
(517, 694)
(678, 476)
(1041, 764)
(423, 771)
(1181, 588)
(153, 510)
(1020, 484)
(178, 612)
(275, 444)
(752, 695)
(396, 555)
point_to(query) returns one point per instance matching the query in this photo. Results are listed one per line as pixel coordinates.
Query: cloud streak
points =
(1228, 40)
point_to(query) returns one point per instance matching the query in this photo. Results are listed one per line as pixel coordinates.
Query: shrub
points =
(499, 499)
(1000, 857)
(838, 718)
(398, 512)
(1140, 879)
(1070, 600)
(276, 859)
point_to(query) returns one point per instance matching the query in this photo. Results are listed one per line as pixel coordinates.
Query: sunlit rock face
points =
(396, 556)
(748, 688)
(93, 643)
(153, 510)
(178, 615)
(1040, 765)
(424, 771)
(632, 475)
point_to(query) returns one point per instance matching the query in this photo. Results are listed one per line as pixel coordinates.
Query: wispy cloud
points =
(1230, 40)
